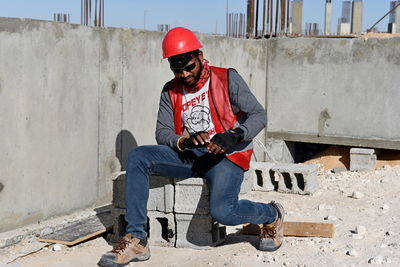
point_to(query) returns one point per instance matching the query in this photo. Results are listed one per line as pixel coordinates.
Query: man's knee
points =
(138, 154)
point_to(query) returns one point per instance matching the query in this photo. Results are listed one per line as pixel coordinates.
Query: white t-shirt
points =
(196, 114)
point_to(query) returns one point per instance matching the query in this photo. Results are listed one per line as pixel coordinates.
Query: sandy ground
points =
(362, 205)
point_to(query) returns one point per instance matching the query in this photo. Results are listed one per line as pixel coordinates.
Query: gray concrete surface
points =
(334, 91)
(75, 99)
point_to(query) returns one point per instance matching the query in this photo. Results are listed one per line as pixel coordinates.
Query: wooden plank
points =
(300, 229)
(81, 231)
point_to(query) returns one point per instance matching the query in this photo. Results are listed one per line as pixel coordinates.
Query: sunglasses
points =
(187, 68)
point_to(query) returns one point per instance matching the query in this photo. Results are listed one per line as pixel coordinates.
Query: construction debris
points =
(80, 231)
(299, 229)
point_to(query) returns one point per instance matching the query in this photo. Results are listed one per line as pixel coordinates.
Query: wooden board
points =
(301, 229)
(81, 231)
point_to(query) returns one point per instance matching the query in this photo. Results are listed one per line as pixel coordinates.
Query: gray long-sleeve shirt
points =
(242, 100)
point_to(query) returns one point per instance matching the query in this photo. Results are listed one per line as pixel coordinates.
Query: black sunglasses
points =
(187, 68)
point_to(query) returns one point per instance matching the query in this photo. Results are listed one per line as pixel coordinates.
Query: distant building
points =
(394, 18)
(357, 16)
(312, 29)
(61, 17)
(344, 26)
(163, 27)
(328, 17)
(297, 16)
(346, 11)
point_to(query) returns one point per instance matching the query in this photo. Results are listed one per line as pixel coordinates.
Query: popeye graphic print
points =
(196, 111)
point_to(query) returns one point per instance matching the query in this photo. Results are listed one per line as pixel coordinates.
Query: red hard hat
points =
(178, 41)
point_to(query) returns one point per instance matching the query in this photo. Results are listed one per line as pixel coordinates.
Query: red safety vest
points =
(220, 107)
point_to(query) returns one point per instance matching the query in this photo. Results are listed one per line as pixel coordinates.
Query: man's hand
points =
(222, 142)
(199, 139)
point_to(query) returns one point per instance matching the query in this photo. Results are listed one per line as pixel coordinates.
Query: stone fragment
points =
(357, 236)
(58, 247)
(331, 218)
(352, 253)
(325, 207)
(361, 230)
(339, 169)
(357, 195)
(376, 260)
(385, 207)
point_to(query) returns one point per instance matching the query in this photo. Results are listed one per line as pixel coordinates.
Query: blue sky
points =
(206, 16)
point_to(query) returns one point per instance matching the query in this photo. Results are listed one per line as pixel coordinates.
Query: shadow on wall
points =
(124, 143)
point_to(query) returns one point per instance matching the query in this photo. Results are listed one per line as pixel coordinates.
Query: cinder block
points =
(119, 224)
(284, 177)
(161, 229)
(362, 159)
(296, 178)
(192, 196)
(198, 231)
(263, 180)
(119, 192)
(248, 178)
(161, 193)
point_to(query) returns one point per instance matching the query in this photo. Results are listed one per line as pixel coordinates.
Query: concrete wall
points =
(335, 91)
(74, 100)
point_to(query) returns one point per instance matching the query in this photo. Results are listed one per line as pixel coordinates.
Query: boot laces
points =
(121, 246)
(268, 231)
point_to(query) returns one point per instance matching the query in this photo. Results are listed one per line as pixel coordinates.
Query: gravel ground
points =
(361, 205)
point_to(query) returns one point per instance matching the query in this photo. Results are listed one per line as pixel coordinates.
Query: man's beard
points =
(194, 79)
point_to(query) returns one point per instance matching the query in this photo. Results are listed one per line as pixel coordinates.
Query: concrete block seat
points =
(178, 213)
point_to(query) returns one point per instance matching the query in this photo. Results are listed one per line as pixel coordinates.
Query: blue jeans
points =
(223, 176)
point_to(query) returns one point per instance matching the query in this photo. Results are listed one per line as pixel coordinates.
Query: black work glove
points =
(228, 139)
(189, 142)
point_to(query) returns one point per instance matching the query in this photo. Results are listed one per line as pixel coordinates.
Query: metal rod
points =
(283, 13)
(370, 29)
(86, 12)
(227, 19)
(268, 15)
(256, 34)
(90, 11)
(95, 14)
(276, 16)
(287, 16)
(264, 17)
(271, 19)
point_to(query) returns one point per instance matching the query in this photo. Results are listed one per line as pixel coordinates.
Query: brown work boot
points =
(271, 236)
(127, 250)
